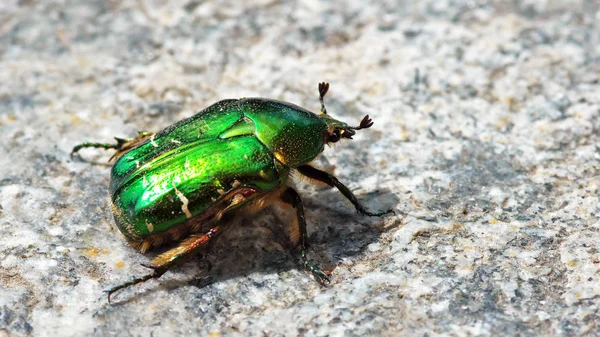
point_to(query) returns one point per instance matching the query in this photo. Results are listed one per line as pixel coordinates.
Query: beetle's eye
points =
(335, 136)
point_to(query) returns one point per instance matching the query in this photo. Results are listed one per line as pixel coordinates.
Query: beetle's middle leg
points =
(162, 263)
(332, 181)
(122, 145)
(290, 196)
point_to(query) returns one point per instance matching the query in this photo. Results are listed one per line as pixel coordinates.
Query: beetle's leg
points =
(121, 146)
(292, 197)
(162, 263)
(332, 181)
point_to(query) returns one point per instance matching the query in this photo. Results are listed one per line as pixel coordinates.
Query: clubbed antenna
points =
(366, 123)
(323, 88)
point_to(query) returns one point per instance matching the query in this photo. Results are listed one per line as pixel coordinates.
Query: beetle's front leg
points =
(162, 263)
(332, 181)
(290, 196)
(121, 146)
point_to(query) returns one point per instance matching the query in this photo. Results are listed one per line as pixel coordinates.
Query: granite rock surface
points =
(486, 144)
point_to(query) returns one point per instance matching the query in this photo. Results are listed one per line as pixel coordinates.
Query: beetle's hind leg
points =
(332, 181)
(162, 263)
(122, 145)
(290, 196)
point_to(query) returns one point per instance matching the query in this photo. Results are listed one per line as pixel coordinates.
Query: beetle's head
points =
(337, 130)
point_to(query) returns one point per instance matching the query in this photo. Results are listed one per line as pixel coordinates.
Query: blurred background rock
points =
(485, 143)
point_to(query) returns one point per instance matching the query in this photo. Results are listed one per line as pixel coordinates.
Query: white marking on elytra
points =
(184, 201)
(152, 140)
(173, 140)
(150, 226)
(137, 164)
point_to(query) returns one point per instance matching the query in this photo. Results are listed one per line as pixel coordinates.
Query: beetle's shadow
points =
(261, 244)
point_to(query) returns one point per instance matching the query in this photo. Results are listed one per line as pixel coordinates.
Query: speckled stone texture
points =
(486, 143)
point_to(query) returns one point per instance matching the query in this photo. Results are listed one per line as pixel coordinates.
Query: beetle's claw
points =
(364, 211)
(380, 213)
(322, 277)
(158, 271)
(149, 266)
(108, 292)
(75, 150)
(387, 211)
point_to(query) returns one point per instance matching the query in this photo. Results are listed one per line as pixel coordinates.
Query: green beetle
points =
(183, 183)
